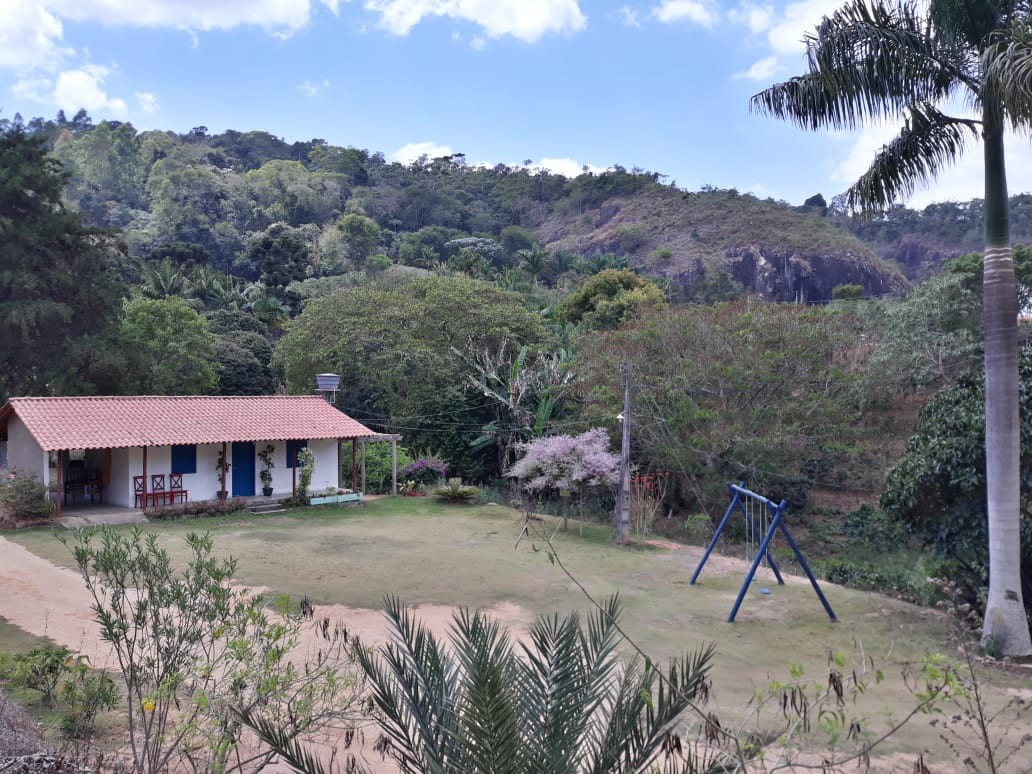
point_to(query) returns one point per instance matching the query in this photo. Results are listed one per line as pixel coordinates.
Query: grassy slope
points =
(427, 552)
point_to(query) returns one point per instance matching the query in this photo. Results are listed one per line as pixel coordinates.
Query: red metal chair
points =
(158, 495)
(140, 491)
(176, 493)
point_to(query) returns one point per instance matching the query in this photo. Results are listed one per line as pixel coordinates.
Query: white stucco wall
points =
(23, 453)
(327, 468)
(119, 489)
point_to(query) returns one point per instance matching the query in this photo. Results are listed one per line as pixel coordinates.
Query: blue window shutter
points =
(293, 447)
(184, 458)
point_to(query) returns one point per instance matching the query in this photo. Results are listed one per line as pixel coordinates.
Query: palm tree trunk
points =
(1005, 623)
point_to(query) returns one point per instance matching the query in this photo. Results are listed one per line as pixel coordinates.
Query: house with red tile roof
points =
(106, 447)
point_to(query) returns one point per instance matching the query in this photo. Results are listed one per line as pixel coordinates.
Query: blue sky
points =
(659, 84)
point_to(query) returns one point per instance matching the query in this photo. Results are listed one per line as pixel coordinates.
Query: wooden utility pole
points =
(623, 501)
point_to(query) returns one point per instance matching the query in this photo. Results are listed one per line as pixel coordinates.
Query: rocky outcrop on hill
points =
(778, 252)
(804, 277)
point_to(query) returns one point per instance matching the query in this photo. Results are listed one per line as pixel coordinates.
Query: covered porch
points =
(139, 451)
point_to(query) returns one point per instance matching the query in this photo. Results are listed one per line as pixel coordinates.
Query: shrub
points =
(378, 467)
(455, 492)
(305, 468)
(909, 583)
(875, 529)
(41, 669)
(196, 509)
(23, 495)
(424, 470)
(84, 695)
(847, 292)
(567, 462)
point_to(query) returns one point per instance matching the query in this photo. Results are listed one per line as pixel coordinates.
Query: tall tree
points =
(873, 61)
(168, 348)
(57, 284)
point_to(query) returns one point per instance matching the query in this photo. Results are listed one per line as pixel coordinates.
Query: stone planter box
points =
(353, 497)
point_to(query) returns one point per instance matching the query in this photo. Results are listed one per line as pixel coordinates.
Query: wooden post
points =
(623, 503)
(292, 460)
(354, 461)
(223, 470)
(143, 497)
(394, 467)
(363, 465)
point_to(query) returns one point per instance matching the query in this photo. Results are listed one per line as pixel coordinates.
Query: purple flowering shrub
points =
(567, 462)
(425, 470)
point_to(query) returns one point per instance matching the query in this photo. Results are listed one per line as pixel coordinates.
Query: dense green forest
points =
(471, 309)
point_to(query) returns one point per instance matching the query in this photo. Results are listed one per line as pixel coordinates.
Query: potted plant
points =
(221, 467)
(265, 474)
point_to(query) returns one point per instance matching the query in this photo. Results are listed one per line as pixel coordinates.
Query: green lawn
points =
(431, 553)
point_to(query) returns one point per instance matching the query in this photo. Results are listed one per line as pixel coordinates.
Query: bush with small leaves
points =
(23, 495)
(41, 669)
(84, 695)
(196, 509)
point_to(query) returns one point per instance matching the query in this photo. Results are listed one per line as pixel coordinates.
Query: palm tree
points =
(163, 279)
(870, 61)
(535, 261)
(562, 702)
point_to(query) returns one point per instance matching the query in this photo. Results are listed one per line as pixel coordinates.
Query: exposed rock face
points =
(778, 252)
(806, 278)
(919, 259)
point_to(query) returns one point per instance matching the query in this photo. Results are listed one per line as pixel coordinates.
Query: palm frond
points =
(490, 729)
(552, 685)
(928, 141)
(1007, 68)
(285, 745)
(412, 687)
(645, 708)
(866, 61)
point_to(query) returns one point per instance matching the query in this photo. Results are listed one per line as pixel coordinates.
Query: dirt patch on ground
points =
(51, 601)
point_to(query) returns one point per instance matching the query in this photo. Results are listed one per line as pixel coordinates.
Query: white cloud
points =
(32, 32)
(30, 36)
(566, 166)
(477, 43)
(629, 17)
(147, 102)
(762, 70)
(81, 87)
(525, 20)
(310, 89)
(784, 30)
(787, 32)
(757, 18)
(406, 154)
(200, 15)
(958, 182)
(84, 88)
(33, 89)
(684, 10)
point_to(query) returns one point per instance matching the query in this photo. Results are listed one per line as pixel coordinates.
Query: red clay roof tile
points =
(110, 422)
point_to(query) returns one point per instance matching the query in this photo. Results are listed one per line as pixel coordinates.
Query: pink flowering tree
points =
(566, 462)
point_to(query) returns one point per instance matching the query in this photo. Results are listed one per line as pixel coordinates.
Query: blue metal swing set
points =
(740, 499)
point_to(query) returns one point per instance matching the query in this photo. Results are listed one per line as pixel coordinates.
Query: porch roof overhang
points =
(112, 422)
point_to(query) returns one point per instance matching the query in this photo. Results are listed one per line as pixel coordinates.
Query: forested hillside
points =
(471, 309)
(256, 207)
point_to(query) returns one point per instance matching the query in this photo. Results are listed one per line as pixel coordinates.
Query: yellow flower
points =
(148, 705)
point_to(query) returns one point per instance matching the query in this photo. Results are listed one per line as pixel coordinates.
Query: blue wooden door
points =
(243, 469)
